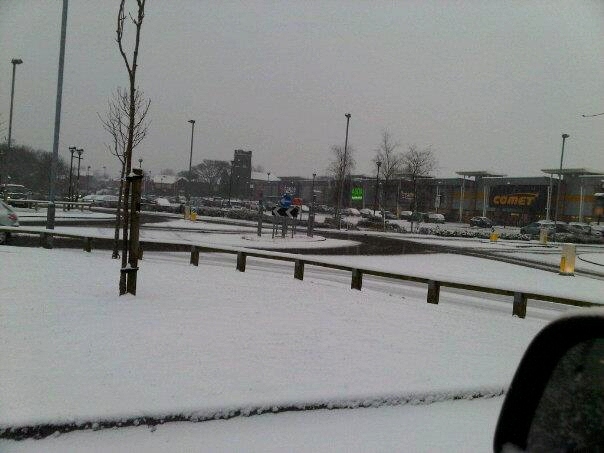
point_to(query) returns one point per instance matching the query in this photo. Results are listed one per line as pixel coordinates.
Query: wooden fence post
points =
(433, 292)
(519, 307)
(357, 279)
(241, 261)
(299, 269)
(194, 255)
(88, 244)
(46, 240)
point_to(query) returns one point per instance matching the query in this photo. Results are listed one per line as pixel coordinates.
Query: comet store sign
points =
(518, 198)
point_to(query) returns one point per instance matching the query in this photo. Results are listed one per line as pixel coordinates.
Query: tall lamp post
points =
(15, 62)
(77, 192)
(87, 179)
(72, 149)
(377, 186)
(343, 175)
(564, 137)
(268, 183)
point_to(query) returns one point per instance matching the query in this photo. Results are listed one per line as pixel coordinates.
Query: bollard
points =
(88, 244)
(519, 306)
(46, 240)
(299, 270)
(357, 279)
(543, 236)
(567, 259)
(194, 256)
(494, 235)
(433, 292)
(241, 261)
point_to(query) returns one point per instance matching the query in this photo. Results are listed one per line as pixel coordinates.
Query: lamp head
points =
(192, 121)
(80, 151)
(16, 61)
(565, 136)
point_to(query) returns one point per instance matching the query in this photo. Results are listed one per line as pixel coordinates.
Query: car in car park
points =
(481, 222)
(534, 229)
(389, 215)
(8, 217)
(406, 215)
(366, 213)
(435, 218)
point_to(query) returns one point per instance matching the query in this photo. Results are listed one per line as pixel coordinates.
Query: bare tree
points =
(131, 67)
(390, 160)
(211, 171)
(418, 163)
(341, 165)
(115, 123)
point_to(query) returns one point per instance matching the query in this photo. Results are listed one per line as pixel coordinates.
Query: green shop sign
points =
(357, 193)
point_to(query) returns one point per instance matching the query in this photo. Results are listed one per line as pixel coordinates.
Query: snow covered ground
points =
(208, 341)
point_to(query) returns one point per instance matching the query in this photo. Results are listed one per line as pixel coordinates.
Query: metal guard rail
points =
(519, 297)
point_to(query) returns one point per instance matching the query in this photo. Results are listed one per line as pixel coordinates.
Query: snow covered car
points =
(8, 217)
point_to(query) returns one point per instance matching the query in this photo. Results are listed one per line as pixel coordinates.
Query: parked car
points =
(533, 229)
(584, 228)
(351, 212)
(435, 218)
(406, 215)
(8, 217)
(481, 222)
(366, 213)
(389, 215)
(418, 217)
(15, 194)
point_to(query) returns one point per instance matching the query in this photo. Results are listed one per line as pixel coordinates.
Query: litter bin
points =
(193, 216)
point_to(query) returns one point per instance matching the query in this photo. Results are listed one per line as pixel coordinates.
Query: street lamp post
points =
(311, 213)
(15, 62)
(88, 180)
(72, 149)
(231, 182)
(564, 137)
(77, 192)
(268, 183)
(377, 186)
(343, 175)
(190, 163)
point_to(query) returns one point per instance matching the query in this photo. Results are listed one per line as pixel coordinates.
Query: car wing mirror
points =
(556, 400)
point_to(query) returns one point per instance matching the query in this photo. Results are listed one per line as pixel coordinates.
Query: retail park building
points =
(506, 199)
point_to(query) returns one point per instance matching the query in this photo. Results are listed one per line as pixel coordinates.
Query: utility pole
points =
(50, 214)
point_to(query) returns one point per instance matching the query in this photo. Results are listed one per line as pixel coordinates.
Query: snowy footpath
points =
(207, 342)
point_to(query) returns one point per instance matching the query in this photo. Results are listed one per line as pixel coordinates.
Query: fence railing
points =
(519, 301)
(36, 204)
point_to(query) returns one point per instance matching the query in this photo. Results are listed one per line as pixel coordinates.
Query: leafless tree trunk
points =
(391, 161)
(418, 163)
(131, 67)
(340, 165)
(115, 123)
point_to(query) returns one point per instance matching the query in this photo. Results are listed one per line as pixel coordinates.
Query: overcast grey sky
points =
(489, 84)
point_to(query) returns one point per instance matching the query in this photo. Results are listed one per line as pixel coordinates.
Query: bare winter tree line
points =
(415, 163)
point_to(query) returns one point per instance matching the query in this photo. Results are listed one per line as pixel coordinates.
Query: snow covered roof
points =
(166, 179)
(260, 176)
